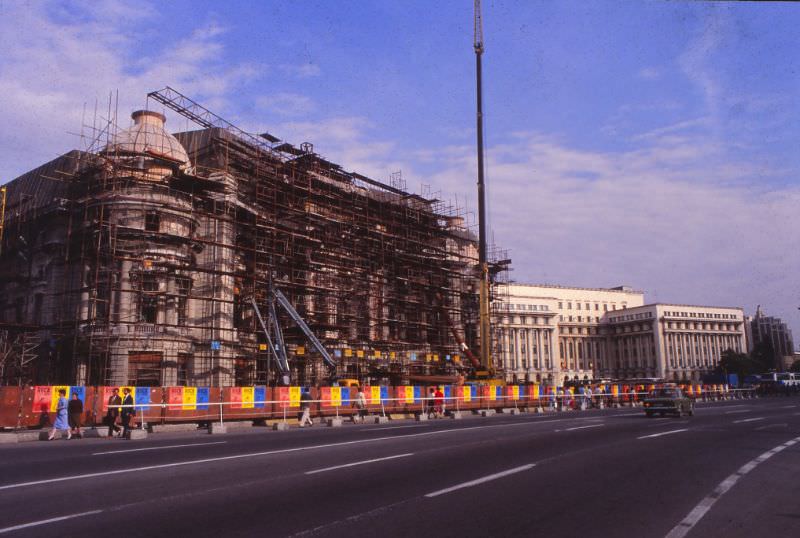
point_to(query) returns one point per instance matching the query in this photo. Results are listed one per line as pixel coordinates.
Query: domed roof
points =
(148, 137)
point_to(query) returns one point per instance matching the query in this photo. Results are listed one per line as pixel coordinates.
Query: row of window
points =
(524, 307)
(700, 315)
(580, 319)
(588, 306)
(631, 317)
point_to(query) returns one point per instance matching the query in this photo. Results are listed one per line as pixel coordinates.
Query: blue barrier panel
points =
(473, 390)
(81, 391)
(448, 393)
(346, 396)
(384, 394)
(141, 398)
(417, 394)
(259, 396)
(202, 398)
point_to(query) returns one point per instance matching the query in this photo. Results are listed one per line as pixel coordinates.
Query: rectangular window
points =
(152, 221)
(182, 369)
(144, 369)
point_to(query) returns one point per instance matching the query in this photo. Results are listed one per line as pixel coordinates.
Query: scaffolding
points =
(150, 264)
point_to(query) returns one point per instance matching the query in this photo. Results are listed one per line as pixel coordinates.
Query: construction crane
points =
(274, 334)
(483, 262)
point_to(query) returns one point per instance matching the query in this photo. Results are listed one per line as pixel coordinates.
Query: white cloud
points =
(649, 73)
(302, 70)
(286, 104)
(57, 57)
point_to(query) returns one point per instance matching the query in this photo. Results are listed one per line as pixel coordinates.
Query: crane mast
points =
(483, 262)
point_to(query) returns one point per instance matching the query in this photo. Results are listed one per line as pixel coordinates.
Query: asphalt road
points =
(731, 470)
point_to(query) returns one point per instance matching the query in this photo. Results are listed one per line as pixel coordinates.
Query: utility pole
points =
(485, 323)
(2, 214)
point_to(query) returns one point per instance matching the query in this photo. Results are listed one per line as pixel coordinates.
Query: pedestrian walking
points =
(62, 422)
(114, 401)
(127, 412)
(430, 408)
(438, 403)
(305, 403)
(360, 403)
(587, 394)
(75, 409)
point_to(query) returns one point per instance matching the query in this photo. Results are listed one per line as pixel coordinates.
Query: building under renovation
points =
(148, 258)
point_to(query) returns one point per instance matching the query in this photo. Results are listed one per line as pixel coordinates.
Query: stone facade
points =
(553, 334)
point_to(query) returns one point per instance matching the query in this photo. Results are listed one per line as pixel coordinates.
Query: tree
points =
(764, 355)
(740, 364)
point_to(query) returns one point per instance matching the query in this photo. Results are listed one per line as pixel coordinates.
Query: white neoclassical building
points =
(551, 334)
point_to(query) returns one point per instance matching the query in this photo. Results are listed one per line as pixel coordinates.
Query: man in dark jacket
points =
(114, 401)
(127, 412)
(75, 411)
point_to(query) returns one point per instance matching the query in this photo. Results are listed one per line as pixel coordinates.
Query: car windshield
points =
(664, 393)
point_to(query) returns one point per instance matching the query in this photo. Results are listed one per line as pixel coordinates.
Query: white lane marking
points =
(398, 427)
(738, 411)
(684, 527)
(364, 462)
(788, 407)
(156, 448)
(266, 453)
(481, 480)
(772, 426)
(662, 433)
(582, 427)
(628, 415)
(46, 521)
(748, 420)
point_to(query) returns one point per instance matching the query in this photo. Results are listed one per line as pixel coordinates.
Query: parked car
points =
(668, 400)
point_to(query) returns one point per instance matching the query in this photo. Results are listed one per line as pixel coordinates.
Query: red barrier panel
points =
(10, 400)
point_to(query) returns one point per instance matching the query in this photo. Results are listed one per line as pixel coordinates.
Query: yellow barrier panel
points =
(336, 395)
(189, 398)
(294, 396)
(55, 396)
(515, 392)
(467, 393)
(409, 394)
(535, 392)
(248, 396)
(375, 395)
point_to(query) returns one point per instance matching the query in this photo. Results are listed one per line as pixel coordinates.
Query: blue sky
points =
(645, 143)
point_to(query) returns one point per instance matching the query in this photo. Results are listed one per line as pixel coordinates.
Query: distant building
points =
(551, 334)
(772, 331)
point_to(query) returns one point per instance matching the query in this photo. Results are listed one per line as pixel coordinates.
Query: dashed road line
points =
(482, 480)
(47, 521)
(156, 448)
(354, 464)
(663, 433)
(748, 420)
(583, 427)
